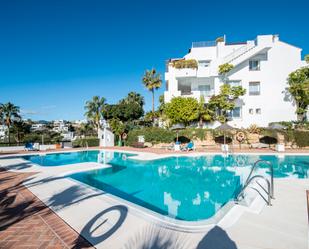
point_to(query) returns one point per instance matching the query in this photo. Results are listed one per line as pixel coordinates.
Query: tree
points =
(20, 129)
(182, 110)
(298, 82)
(10, 113)
(134, 97)
(1, 115)
(118, 128)
(205, 112)
(94, 111)
(224, 69)
(224, 102)
(307, 58)
(152, 81)
(128, 109)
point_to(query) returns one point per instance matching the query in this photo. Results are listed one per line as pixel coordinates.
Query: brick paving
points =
(25, 222)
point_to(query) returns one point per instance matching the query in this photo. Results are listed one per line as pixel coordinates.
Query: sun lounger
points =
(188, 147)
(29, 146)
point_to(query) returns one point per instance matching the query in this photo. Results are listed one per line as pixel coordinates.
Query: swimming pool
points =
(60, 159)
(184, 188)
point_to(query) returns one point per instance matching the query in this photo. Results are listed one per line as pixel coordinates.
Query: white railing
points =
(203, 44)
(238, 52)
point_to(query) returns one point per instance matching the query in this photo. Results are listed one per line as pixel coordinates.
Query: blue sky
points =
(55, 55)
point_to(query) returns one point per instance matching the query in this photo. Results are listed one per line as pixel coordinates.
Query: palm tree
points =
(152, 81)
(94, 110)
(134, 97)
(10, 112)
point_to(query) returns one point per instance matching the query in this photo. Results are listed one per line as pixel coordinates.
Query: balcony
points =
(185, 72)
(202, 44)
(186, 93)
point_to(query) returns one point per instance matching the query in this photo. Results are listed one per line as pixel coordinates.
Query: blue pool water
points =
(185, 188)
(60, 159)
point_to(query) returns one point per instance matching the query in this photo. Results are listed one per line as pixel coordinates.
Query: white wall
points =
(276, 62)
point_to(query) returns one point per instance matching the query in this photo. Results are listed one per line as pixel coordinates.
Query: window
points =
(254, 65)
(204, 89)
(254, 88)
(166, 85)
(234, 83)
(250, 111)
(204, 63)
(235, 113)
(258, 110)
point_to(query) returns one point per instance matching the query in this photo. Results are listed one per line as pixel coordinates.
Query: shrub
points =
(194, 133)
(301, 138)
(225, 68)
(151, 134)
(91, 142)
(254, 129)
(191, 63)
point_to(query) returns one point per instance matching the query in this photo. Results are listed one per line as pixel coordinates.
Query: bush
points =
(185, 64)
(301, 138)
(153, 135)
(82, 142)
(194, 133)
(254, 129)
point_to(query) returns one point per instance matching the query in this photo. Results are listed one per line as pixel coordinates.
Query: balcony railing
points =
(238, 52)
(186, 93)
(201, 44)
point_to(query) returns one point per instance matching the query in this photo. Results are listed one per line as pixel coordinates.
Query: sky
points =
(55, 55)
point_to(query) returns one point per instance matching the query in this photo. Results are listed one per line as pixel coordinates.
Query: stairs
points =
(243, 53)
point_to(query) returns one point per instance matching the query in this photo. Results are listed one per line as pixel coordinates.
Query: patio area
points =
(26, 222)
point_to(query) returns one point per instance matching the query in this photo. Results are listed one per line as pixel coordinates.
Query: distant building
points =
(80, 122)
(60, 126)
(38, 127)
(3, 131)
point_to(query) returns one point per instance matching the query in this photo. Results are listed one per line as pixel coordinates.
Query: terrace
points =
(107, 222)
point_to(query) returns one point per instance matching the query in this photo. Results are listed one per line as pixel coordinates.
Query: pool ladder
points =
(270, 184)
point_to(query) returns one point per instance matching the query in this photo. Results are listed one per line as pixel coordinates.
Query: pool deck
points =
(108, 222)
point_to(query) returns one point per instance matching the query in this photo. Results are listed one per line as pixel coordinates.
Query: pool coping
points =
(220, 216)
(110, 243)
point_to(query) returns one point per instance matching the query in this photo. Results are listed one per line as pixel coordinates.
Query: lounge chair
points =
(189, 146)
(29, 146)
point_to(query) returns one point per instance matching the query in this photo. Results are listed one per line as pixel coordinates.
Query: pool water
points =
(60, 159)
(184, 188)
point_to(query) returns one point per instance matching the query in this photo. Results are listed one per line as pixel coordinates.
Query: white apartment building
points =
(38, 127)
(60, 126)
(261, 66)
(3, 131)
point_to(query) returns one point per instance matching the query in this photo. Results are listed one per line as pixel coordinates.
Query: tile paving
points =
(25, 222)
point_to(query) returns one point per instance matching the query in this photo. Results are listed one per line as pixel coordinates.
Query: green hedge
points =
(82, 142)
(194, 133)
(152, 134)
(301, 138)
(157, 135)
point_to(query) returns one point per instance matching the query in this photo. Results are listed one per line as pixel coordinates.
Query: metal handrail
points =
(270, 184)
(271, 168)
(248, 183)
(238, 52)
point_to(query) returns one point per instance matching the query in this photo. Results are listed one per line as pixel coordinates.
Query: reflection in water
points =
(186, 188)
(172, 205)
